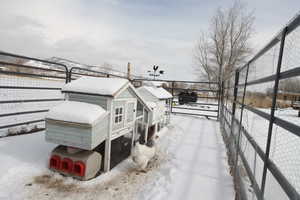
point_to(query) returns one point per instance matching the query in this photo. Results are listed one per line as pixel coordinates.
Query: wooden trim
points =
(81, 125)
(91, 94)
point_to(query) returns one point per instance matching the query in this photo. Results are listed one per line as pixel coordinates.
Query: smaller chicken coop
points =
(77, 124)
(159, 100)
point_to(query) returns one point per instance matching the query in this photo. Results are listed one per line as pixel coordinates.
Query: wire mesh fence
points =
(28, 88)
(260, 120)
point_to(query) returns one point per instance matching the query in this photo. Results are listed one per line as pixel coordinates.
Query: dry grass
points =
(264, 102)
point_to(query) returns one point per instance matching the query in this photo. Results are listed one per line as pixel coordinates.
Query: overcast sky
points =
(143, 32)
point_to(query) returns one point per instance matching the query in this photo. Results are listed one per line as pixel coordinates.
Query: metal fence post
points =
(237, 142)
(172, 91)
(220, 98)
(236, 82)
(274, 99)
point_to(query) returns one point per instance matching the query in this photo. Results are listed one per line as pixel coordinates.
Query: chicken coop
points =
(96, 125)
(159, 100)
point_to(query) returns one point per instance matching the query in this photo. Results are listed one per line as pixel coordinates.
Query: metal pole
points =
(220, 98)
(236, 82)
(172, 86)
(240, 124)
(272, 118)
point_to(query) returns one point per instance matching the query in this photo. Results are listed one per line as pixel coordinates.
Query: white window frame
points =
(119, 116)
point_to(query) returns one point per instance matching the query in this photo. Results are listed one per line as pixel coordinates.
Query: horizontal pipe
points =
(290, 73)
(29, 100)
(194, 109)
(82, 74)
(36, 59)
(204, 104)
(31, 67)
(293, 128)
(201, 97)
(29, 88)
(30, 74)
(22, 123)
(189, 89)
(261, 80)
(22, 113)
(283, 75)
(97, 72)
(162, 80)
(194, 114)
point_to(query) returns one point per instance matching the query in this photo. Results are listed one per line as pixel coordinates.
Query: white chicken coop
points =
(159, 100)
(96, 126)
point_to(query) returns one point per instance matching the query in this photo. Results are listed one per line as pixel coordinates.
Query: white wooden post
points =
(107, 153)
(146, 132)
(133, 135)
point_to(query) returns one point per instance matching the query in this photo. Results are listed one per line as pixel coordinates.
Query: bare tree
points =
(225, 46)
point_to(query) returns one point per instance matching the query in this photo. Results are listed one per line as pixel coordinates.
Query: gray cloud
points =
(142, 32)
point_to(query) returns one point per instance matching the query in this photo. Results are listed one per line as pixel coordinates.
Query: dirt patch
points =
(59, 184)
(122, 185)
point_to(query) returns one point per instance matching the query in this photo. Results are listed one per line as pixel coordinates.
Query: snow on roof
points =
(159, 93)
(96, 85)
(77, 112)
(151, 104)
(157, 83)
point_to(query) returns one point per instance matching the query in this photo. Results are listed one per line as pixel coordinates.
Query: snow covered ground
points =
(191, 163)
(198, 108)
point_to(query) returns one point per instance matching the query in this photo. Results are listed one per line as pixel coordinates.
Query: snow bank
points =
(77, 112)
(96, 85)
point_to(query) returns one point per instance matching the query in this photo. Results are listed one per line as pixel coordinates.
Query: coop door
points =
(130, 111)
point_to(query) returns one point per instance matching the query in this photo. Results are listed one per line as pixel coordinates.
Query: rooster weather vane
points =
(155, 72)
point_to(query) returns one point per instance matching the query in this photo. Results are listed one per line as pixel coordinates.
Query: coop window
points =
(119, 115)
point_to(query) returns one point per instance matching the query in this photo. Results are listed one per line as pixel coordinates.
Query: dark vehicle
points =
(194, 97)
(186, 97)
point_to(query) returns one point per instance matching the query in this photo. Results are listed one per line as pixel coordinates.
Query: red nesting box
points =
(79, 168)
(55, 162)
(67, 165)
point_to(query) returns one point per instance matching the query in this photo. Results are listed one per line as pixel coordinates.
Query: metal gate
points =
(189, 97)
(28, 88)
